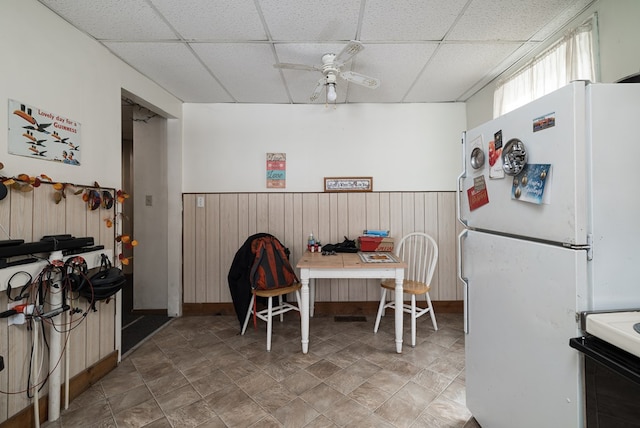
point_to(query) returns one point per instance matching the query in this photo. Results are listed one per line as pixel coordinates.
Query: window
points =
(570, 58)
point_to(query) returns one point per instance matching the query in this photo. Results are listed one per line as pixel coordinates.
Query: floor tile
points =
(322, 397)
(130, 398)
(139, 415)
(297, 413)
(369, 396)
(196, 414)
(273, 398)
(449, 411)
(201, 372)
(347, 411)
(406, 405)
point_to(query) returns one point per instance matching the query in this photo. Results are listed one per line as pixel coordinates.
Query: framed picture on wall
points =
(348, 184)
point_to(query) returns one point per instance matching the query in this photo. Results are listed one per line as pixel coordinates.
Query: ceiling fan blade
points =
(360, 79)
(317, 90)
(303, 67)
(348, 52)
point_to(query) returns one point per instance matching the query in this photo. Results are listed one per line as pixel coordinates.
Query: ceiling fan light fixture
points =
(331, 92)
(331, 69)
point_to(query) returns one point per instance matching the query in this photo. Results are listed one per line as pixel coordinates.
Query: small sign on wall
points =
(276, 170)
(43, 135)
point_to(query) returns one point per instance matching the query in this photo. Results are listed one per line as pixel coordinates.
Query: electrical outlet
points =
(200, 202)
(148, 200)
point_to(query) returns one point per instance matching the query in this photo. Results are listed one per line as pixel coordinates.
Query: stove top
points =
(621, 329)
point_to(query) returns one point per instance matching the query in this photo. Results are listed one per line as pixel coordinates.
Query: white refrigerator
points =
(549, 195)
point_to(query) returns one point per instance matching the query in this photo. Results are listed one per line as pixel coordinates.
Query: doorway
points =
(139, 321)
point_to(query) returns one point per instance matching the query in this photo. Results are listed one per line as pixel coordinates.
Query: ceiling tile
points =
(213, 20)
(233, 44)
(505, 19)
(295, 20)
(396, 65)
(258, 83)
(306, 53)
(560, 18)
(499, 68)
(174, 67)
(409, 19)
(442, 82)
(113, 19)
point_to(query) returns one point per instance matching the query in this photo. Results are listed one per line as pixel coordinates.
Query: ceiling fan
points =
(331, 69)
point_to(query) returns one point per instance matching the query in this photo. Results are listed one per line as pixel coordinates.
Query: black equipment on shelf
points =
(11, 250)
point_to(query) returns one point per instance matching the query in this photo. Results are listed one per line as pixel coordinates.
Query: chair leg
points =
(246, 319)
(383, 298)
(269, 322)
(413, 320)
(280, 304)
(433, 315)
(255, 312)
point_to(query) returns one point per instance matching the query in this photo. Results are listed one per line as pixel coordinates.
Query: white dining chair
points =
(420, 252)
(271, 275)
(271, 311)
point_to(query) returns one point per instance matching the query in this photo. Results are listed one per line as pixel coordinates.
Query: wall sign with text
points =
(39, 134)
(276, 170)
(348, 184)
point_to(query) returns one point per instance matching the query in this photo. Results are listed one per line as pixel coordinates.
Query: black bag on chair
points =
(239, 276)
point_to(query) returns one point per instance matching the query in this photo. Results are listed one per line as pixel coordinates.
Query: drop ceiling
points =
(224, 51)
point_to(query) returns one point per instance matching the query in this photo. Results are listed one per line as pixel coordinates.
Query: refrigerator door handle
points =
(462, 175)
(465, 282)
(588, 247)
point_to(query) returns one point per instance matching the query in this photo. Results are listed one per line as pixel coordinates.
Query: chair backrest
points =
(420, 252)
(271, 268)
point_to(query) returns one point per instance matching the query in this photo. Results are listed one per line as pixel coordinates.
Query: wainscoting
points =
(214, 231)
(30, 216)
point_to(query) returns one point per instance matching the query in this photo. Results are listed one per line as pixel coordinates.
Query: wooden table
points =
(350, 266)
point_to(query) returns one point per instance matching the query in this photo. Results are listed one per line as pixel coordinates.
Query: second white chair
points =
(420, 252)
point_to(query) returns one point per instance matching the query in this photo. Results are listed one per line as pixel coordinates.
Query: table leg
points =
(312, 297)
(304, 309)
(399, 308)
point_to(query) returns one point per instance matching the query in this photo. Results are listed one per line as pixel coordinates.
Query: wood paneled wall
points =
(213, 233)
(30, 216)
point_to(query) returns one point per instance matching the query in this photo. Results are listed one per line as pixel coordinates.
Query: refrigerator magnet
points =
(498, 139)
(495, 159)
(476, 156)
(530, 186)
(477, 195)
(514, 157)
(544, 122)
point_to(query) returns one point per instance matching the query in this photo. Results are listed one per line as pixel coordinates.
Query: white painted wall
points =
(150, 178)
(480, 107)
(50, 65)
(619, 38)
(404, 147)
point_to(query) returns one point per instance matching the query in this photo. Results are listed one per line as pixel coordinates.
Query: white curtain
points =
(571, 58)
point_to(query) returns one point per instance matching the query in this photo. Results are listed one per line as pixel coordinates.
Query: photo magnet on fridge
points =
(544, 122)
(530, 185)
(495, 157)
(477, 194)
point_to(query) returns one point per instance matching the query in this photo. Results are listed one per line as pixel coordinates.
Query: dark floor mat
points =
(139, 328)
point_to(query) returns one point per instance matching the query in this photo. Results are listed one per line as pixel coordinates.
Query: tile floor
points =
(199, 372)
